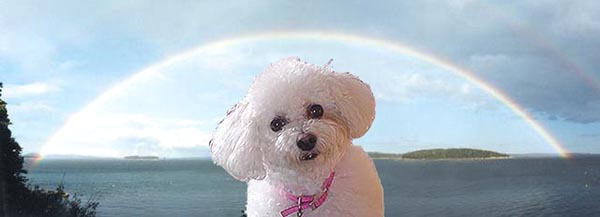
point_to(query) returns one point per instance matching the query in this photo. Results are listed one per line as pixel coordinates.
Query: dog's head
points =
(297, 118)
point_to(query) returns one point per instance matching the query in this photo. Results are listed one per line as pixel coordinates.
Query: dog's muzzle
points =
(307, 143)
(309, 156)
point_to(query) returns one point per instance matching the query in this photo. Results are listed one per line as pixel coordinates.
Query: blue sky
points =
(56, 58)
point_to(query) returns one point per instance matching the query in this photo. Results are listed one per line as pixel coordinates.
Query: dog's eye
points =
(315, 111)
(277, 123)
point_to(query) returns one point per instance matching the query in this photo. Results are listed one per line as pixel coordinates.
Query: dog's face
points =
(297, 119)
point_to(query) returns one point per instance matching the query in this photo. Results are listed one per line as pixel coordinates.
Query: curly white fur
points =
(271, 162)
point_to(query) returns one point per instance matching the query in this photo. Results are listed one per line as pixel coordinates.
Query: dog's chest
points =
(266, 200)
(355, 191)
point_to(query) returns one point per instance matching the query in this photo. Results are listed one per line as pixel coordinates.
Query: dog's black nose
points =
(307, 142)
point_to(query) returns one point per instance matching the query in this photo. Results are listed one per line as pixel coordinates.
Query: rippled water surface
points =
(508, 187)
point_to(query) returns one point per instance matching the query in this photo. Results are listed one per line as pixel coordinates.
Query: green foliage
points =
(11, 163)
(452, 153)
(20, 200)
(436, 154)
(41, 202)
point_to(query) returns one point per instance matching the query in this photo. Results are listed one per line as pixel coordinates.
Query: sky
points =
(66, 69)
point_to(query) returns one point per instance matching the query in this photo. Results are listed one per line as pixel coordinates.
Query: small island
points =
(136, 157)
(441, 154)
(453, 153)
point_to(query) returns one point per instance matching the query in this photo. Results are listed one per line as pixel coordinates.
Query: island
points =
(441, 154)
(136, 157)
(384, 156)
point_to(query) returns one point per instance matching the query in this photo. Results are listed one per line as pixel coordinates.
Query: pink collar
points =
(311, 201)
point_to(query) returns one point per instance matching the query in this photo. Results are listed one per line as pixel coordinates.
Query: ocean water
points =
(506, 187)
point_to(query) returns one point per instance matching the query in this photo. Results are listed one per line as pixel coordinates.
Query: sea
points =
(527, 186)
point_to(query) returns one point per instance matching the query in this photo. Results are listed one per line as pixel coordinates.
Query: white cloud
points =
(25, 90)
(120, 134)
(32, 53)
(30, 107)
(407, 87)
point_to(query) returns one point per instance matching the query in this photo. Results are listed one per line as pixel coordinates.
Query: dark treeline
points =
(434, 154)
(19, 199)
(452, 153)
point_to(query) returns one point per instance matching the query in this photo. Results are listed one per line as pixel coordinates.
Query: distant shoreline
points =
(443, 159)
(373, 155)
(443, 154)
(136, 157)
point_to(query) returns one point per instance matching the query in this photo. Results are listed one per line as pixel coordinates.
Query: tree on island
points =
(441, 154)
(17, 198)
(453, 153)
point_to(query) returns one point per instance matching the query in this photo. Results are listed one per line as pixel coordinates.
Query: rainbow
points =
(317, 36)
(542, 43)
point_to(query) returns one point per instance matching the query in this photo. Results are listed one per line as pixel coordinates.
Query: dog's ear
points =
(355, 101)
(235, 145)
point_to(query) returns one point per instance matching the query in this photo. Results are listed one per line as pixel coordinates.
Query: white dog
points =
(291, 137)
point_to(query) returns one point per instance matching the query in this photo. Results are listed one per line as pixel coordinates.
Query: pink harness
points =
(305, 202)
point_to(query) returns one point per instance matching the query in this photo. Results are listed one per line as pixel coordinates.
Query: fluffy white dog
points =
(291, 137)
